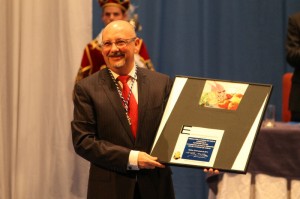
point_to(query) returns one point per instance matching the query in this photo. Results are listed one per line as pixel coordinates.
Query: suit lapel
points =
(143, 92)
(111, 92)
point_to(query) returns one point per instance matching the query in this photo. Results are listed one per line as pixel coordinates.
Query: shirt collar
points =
(131, 73)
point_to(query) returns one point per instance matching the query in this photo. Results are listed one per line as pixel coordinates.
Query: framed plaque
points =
(211, 123)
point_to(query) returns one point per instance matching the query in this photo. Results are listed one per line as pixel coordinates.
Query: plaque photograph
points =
(211, 123)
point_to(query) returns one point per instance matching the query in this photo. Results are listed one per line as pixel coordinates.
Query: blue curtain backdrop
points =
(232, 40)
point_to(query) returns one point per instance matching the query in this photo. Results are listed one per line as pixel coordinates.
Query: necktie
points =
(132, 105)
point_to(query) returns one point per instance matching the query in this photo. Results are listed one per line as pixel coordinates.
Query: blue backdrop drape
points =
(233, 40)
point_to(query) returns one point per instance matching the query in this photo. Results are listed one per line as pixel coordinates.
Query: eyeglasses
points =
(120, 43)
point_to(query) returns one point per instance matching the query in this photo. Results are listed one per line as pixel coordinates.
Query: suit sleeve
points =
(85, 140)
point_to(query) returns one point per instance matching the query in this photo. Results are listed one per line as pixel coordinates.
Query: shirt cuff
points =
(133, 160)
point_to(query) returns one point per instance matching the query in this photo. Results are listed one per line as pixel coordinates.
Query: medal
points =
(125, 102)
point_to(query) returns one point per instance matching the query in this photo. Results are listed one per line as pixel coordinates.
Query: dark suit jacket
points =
(293, 58)
(102, 135)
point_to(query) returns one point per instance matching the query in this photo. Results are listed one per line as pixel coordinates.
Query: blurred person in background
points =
(92, 59)
(293, 58)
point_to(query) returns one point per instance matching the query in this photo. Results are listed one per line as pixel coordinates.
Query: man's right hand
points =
(146, 161)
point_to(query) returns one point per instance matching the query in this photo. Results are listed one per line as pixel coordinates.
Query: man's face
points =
(112, 13)
(119, 45)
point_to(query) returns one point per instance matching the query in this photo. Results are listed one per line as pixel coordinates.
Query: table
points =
(273, 170)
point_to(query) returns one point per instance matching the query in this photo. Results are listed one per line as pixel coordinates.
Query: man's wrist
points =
(133, 160)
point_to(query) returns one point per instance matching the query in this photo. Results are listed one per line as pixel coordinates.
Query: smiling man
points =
(115, 48)
(117, 112)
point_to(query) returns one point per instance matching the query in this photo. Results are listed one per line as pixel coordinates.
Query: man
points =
(293, 58)
(92, 59)
(108, 132)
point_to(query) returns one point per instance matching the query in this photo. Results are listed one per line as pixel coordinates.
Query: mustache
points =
(116, 54)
